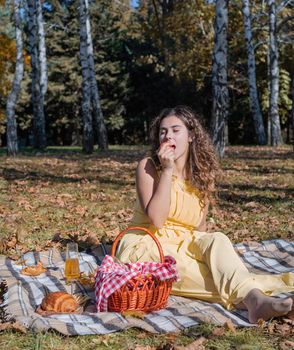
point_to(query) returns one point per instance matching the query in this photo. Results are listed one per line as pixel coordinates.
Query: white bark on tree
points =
(219, 77)
(12, 144)
(91, 107)
(292, 112)
(39, 82)
(276, 135)
(95, 98)
(251, 67)
(42, 50)
(88, 137)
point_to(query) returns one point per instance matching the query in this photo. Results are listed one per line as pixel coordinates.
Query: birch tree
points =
(37, 51)
(91, 107)
(219, 77)
(251, 71)
(276, 136)
(12, 145)
(292, 112)
(42, 59)
(88, 135)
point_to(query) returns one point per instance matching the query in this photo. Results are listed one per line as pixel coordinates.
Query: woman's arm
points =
(154, 192)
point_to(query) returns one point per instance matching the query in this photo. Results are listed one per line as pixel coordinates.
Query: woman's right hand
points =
(166, 155)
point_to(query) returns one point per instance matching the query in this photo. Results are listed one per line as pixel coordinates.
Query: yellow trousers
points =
(208, 266)
(216, 273)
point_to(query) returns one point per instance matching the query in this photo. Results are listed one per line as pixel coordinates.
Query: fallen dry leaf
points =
(8, 244)
(171, 337)
(251, 205)
(125, 214)
(219, 331)
(287, 345)
(261, 323)
(25, 204)
(229, 325)
(196, 345)
(141, 335)
(281, 326)
(12, 242)
(87, 237)
(134, 313)
(111, 234)
(81, 210)
(2, 246)
(271, 327)
(283, 329)
(92, 239)
(98, 223)
(260, 223)
(288, 320)
(12, 325)
(21, 235)
(142, 347)
(12, 218)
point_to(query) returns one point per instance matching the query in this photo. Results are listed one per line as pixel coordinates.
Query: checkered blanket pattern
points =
(25, 293)
(112, 275)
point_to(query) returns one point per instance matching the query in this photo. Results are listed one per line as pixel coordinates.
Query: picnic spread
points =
(29, 288)
(137, 286)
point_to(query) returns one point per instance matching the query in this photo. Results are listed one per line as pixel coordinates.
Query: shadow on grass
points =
(117, 153)
(262, 170)
(253, 187)
(11, 174)
(246, 198)
(260, 153)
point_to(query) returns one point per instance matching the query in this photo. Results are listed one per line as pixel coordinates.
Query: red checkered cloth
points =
(112, 275)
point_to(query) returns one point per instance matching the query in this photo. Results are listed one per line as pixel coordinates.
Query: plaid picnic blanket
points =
(25, 293)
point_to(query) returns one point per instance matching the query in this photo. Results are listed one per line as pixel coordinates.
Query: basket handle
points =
(117, 239)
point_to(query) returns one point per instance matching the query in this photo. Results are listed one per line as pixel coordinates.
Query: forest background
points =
(70, 67)
(149, 55)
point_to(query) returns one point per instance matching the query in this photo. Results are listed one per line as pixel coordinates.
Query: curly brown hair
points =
(202, 165)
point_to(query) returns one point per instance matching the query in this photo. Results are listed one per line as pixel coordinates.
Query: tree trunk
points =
(95, 99)
(254, 101)
(35, 43)
(292, 112)
(42, 51)
(12, 146)
(269, 123)
(166, 7)
(88, 139)
(43, 80)
(276, 136)
(219, 78)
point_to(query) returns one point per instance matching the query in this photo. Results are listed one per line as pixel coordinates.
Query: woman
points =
(174, 188)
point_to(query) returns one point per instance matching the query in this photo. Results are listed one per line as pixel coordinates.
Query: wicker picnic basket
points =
(143, 293)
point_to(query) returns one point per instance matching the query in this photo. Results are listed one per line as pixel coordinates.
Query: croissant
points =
(59, 302)
(34, 270)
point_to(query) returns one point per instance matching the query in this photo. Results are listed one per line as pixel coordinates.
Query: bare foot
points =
(291, 313)
(261, 306)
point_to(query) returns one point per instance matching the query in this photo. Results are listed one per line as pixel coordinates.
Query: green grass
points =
(62, 192)
(243, 339)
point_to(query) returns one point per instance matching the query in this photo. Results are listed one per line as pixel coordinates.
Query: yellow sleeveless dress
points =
(208, 265)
